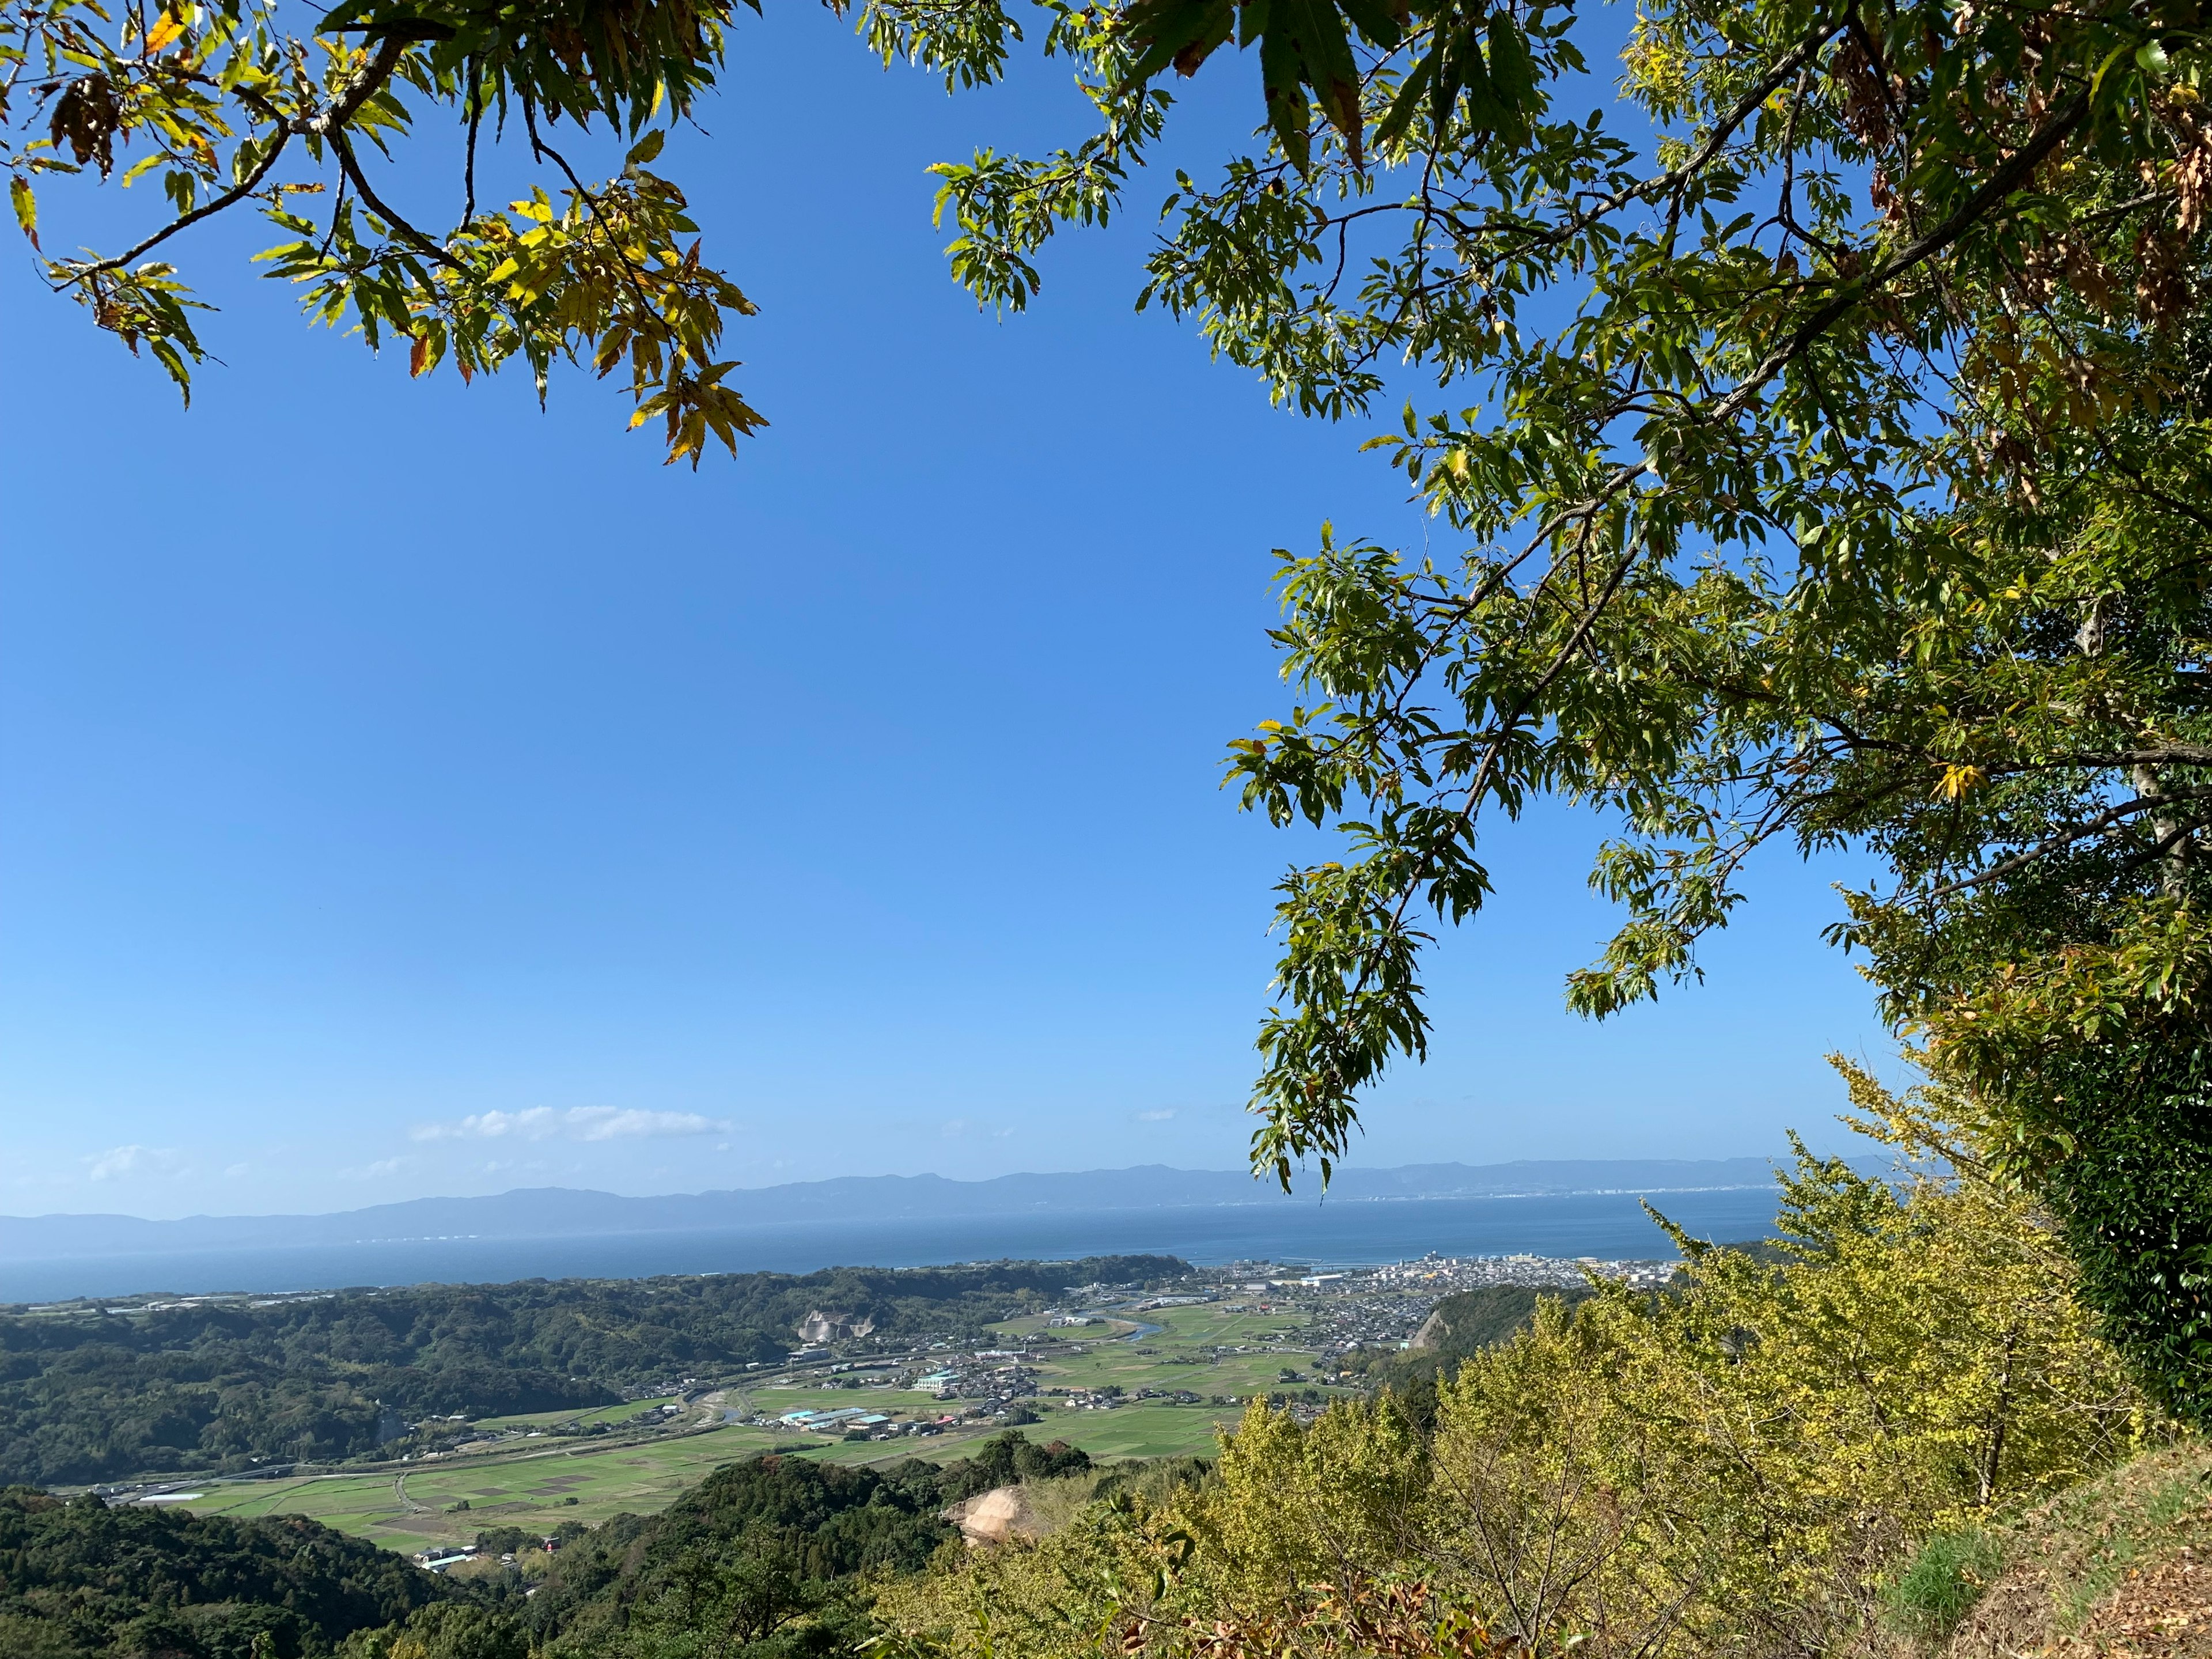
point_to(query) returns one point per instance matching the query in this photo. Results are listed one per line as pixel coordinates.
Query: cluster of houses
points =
(1108, 1398)
(848, 1419)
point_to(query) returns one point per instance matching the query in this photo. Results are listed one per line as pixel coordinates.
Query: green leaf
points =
(1410, 91)
(1319, 54)
(1465, 71)
(1288, 115)
(1378, 24)
(646, 148)
(1512, 70)
(1177, 32)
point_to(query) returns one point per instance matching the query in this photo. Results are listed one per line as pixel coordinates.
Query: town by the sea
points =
(1325, 1234)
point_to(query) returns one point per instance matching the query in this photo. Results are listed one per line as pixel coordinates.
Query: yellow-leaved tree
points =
(1733, 1465)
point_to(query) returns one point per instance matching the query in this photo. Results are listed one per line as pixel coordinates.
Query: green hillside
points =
(102, 1392)
(78, 1579)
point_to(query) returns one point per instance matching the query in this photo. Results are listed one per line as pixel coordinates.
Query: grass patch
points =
(1145, 1430)
(627, 1410)
(1939, 1586)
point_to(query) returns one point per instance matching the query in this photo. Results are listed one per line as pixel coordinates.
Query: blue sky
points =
(402, 792)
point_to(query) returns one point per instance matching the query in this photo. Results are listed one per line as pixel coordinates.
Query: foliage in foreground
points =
(1737, 1468)
(764, 1557)
(1835, 471)
(250, 101)
(1457, 1326)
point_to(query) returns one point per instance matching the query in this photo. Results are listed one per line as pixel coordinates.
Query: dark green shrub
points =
(2134, 1197)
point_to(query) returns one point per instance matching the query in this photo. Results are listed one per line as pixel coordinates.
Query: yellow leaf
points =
(1957, 780)
(26, 205)
(159, 38)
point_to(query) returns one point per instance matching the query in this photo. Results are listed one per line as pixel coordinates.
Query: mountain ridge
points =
(539, 1211)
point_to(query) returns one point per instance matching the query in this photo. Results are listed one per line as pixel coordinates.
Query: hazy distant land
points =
(564, 1212)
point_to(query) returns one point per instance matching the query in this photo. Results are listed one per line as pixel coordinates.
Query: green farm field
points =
(534, 1488)
(622, 1413)
(1184, 1354)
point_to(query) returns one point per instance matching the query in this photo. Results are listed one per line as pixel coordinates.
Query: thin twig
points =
(538, 146)
(475, 120)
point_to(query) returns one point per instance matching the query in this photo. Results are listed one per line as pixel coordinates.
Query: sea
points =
(1328, 1233)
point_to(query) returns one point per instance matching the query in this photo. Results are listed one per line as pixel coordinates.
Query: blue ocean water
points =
(1326, 1233)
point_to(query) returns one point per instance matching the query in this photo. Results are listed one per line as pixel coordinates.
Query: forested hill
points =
(761, 1545)
(79, 1579)
(103, 1392)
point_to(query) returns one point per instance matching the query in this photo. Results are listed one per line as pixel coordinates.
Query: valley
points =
(535, 1476)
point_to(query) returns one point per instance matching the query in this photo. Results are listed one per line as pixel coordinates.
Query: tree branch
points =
(328, 123)
(405, 232)
(228, 199)
(2070, 834)
(364, 85)
(2009, 172)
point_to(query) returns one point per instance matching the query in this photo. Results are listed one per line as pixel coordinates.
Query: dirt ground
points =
(2120, 1568)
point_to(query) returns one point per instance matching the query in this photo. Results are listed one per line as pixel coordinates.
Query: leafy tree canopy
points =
(759, 1559)
(1825, 425)
(231, 104)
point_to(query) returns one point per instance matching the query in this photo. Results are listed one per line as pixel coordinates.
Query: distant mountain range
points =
(562, 1212)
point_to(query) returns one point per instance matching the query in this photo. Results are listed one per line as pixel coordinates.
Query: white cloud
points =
(1159, 1116)
(120, 1163)
(576, 1123)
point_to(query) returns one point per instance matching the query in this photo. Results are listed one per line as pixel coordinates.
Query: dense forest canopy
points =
(79, 1579)
(761, 1545)
(94, 1395)
(767, 1555)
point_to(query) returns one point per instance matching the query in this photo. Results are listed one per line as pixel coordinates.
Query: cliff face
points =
(994, 1516)
(819, 1327)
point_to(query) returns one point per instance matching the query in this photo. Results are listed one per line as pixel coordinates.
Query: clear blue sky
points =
(405, 792)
